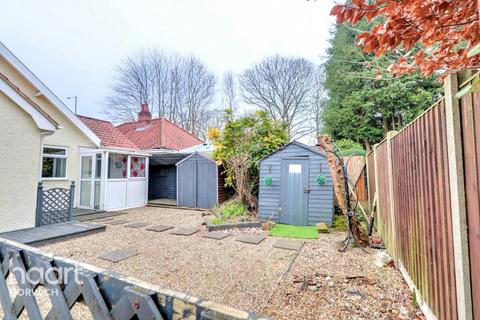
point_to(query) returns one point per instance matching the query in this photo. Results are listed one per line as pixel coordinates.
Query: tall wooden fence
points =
(470, 119)
(425, 183)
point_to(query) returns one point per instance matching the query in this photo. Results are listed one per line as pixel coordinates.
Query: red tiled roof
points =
(108, 134)
(158, 134)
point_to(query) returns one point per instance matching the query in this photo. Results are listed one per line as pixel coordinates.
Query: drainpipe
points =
(42, 136)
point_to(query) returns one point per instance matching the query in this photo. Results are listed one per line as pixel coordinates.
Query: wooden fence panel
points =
(371, 179)
(356, 172)
(470, 114)
(418, 233)
(383, 218)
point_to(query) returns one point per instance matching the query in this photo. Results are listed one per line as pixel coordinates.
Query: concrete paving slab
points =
(136, 225)
(184, 231)
(251, 238)
(217, 235)
(103, 219)
(118, 255)
(117, 222)
(288, 245)
(159, 228)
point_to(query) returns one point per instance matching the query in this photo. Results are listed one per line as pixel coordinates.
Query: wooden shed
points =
(200, 182)
(295, 186)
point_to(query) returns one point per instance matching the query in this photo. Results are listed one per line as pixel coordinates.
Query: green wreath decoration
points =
(268, 181)
(321, 180)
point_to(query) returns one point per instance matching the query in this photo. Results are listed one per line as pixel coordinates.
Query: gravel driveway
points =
(249, 277)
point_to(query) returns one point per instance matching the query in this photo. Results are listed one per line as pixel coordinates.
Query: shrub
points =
(216, 221)
(349, 152)
(344, 144)
(235, 209)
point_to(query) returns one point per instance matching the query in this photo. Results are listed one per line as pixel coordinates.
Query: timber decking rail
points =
(107, 294)
(52, 232)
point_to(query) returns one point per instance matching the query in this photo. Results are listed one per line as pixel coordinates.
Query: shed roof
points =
(206, 155)
(301, 145)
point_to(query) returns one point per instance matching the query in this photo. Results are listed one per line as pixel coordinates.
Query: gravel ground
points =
(250, 277)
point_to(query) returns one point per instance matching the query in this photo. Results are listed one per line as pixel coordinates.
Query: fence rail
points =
(416, 178)
(107, 295)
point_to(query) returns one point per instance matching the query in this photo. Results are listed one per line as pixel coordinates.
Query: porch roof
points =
(167, 158)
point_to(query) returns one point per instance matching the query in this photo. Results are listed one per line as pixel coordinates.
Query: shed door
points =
(197, 183)
(206, 184)
(294, 192)
(187, 184)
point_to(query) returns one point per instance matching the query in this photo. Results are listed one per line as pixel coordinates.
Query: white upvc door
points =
(90, 181)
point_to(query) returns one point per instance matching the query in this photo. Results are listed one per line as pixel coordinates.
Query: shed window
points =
(295, 168)
(137, 167)
(117, 166)
(54, 162)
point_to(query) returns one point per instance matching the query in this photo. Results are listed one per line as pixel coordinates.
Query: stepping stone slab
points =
(185, 231)
(217, 235)
(136, 225)
(117, 222)
(101, 220)
(159, 228)
(251, 238)
(118, 255)
(288, 245)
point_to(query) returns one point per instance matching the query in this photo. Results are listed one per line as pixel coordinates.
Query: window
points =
(54, 163)
(98, 166)
(137, 167)
(294, 168)
(117, 166)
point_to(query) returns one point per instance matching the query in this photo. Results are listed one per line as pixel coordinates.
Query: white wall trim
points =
(42, 122)
(17, 64)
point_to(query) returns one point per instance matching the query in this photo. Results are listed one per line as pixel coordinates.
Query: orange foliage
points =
(447, 29)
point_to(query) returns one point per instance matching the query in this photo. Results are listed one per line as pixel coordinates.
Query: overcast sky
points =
(73, 46)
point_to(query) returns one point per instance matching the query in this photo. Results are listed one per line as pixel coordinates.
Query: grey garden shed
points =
(200, 182)
(295, 186)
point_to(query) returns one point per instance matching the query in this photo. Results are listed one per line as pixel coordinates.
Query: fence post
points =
(375, 168)
(39, 208)
(457, 194)
(71, 200)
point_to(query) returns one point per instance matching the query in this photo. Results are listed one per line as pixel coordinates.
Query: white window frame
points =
(129, 163)
(108, 166)
(47, 155)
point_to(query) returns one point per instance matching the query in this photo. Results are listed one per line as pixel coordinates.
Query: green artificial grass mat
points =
(286, 230)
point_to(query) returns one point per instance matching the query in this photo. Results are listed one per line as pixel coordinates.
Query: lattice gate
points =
(54, 205)
(107, 295)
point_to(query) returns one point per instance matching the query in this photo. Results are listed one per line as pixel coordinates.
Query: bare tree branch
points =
(178, 88)
(282, 86)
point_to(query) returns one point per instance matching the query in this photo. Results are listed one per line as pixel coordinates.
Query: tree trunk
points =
(336, 171)
(385, 125)
(366, 143)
